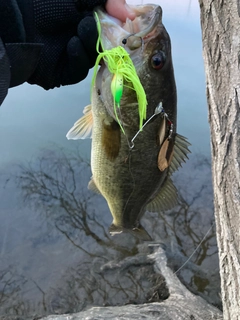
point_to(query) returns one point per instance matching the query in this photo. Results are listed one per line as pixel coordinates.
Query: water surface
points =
(54, 231)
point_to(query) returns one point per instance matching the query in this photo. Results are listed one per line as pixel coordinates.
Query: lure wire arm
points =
(159, 110)
(171, 126)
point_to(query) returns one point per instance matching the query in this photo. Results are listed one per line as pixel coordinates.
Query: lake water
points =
(53, 229)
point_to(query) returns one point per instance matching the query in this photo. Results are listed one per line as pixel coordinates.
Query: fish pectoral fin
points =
(180, 151)
(92, 186)
(166, 199)
(82, 129)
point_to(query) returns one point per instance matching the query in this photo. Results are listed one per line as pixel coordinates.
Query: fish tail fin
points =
(138, 232)
(141, 233)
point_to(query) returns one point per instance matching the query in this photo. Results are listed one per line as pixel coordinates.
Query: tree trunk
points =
(220, 20)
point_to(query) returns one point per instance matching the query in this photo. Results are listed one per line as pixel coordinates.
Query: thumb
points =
(120, 10)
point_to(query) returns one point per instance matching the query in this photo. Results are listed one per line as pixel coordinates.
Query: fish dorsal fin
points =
(92, 186)
(166, 199)
(82, 129)
(180, 152)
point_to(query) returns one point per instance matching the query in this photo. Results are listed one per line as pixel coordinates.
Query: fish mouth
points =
(131, 34)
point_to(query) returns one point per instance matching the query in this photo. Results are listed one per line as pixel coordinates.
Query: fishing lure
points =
(117, 88)
(121, 66)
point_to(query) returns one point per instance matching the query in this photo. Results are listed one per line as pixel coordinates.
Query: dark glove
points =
(61, 37)
(69, 38)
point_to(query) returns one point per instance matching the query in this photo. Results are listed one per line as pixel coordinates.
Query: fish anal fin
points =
(92, 186)
(111, 139)
(82, 128)
(167, 198)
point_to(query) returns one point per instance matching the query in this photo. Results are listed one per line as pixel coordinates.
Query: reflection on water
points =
(57, 187)
(63, 264)
(55, 249)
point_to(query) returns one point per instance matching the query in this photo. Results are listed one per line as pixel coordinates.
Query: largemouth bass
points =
(131, 168)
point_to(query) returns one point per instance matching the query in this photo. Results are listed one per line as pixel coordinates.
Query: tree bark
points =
(220, 21)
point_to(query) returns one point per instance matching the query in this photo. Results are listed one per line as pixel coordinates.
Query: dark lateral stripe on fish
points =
(111, 139)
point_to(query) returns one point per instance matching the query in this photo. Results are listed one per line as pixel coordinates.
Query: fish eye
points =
(158, 60)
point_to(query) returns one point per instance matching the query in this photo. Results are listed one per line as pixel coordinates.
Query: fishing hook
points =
(159, 109)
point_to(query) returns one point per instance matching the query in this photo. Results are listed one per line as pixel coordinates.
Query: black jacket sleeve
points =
(18, 59)
(4, 72)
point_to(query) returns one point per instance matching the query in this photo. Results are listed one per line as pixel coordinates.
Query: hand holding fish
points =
(48, 42)
(120, 10)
